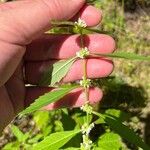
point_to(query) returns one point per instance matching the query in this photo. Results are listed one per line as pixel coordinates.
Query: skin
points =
(26, 52)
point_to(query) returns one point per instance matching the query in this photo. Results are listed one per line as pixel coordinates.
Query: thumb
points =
(26, 19)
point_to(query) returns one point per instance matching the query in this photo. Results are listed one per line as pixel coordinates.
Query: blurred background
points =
(126, 91)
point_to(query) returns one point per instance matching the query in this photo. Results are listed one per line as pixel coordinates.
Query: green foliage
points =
(21, 139)
(123, 131)
(108, 140)
(48, 98)
(126, 133)
(19, 135)
(55, 140)
(12, 146)
(41, 118)
(56, 72)
(80, 118)
(35, 139)
(118, 114)
(71, 148)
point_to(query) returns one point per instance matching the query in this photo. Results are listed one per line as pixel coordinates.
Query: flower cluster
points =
(85, 82)
(80, 23)
(87, 143)
(86, 128)
(87, 108)
(84, 52)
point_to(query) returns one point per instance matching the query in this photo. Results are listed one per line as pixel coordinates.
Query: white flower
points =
(84, 52)
(87, 108)
(85, 82)
(80, 23)
(86, 129)
(87, 143)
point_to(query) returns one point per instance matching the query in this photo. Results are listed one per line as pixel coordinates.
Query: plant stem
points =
(86, 90)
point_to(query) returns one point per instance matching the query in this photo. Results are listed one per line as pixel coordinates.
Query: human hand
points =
(26, 52)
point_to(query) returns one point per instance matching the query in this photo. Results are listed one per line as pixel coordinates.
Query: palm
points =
(15, 89)
(12, 96)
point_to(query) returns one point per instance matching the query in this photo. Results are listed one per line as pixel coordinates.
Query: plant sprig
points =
(58, 71)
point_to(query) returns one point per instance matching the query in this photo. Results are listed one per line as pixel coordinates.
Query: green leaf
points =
(109, 140)
(60, 30)
(80, 118)
(56, 72)
(125, 55)
(35, 139)
(123, 131)
(48, 98)
(58, 23)
(120, 115)
(65, 119)
(126, 132)
(56, 140)
(41, 119)
(12, 146)
(71, 148)
(18, 134)
(100, 121)
(93, 30)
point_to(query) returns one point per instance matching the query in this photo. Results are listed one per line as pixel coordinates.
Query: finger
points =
(96, 68)
(91, 15)
(31, 18)
(73, 99)
(65, 46)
